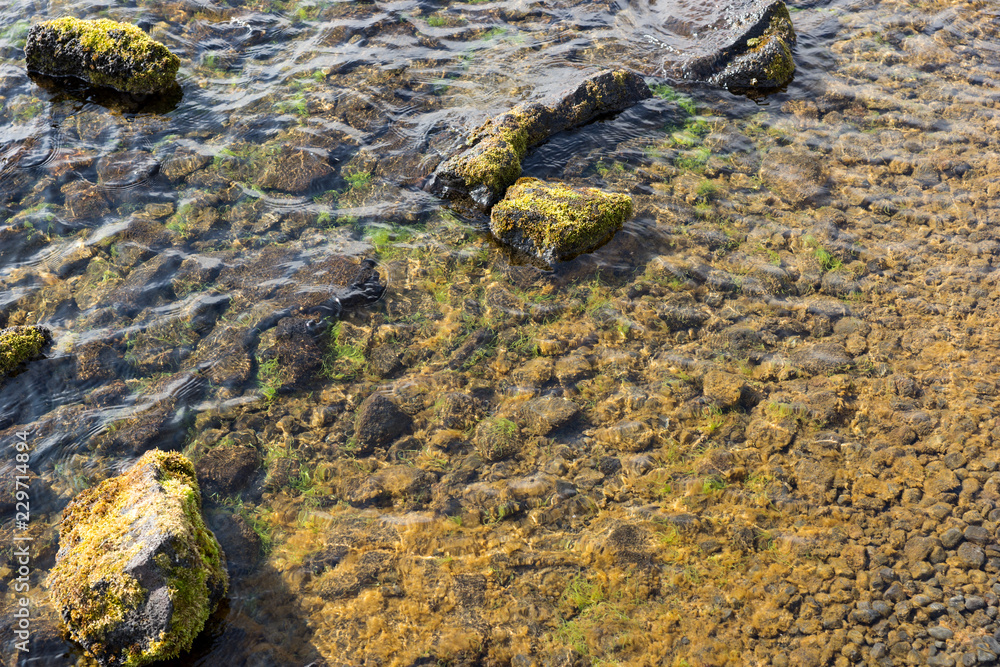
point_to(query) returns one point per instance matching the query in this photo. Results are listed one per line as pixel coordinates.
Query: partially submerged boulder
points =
(138, 573)
(492, 162)
(103, 53)
(20, 344)
(748, 46)
(552, 222)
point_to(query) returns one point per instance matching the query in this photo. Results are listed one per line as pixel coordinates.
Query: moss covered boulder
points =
(492, 160)
(103, 53)
(552, 222)
(19, 345)
(749, 45)
(138, 573)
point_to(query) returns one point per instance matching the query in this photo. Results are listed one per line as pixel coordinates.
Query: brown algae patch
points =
(102, 52)
(138, 573)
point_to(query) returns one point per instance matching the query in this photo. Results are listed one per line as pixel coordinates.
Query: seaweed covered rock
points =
(554, 222)
(751, 49)
(103, 53)
(138, 573)
(20, 344)
(492, 161)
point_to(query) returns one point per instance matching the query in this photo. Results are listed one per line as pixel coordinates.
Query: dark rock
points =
(138, 573)
(84, 201)
(978, 535)
(103, 53)
(744, 44)
(864, 614)
(385, 362)
(492, 163)
(918, 549)
(240, 542)
(293, 169)
(951, 537)
(227, 469)
(972, 556)
(974, 602)
(379, 421)
(609, 465)
(127, 168)
(940, 632)
(544, 415)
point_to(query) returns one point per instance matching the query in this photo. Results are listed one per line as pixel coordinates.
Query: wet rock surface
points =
(550, 222)
(492, 163)
(102, 53)
(138, 574)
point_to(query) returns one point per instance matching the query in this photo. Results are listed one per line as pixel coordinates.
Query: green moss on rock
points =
(20, 344)
(766, 59)
(492, 160)
(138, 573)
(554, 222)
(102, 52)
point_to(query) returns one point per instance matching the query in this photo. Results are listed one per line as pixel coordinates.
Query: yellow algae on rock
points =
(138, 573)
(19, 344)
(553, 222)
(103, 53)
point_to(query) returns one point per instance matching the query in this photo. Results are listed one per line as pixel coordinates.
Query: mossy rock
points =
(751, 48)
(138, 573)
(104, 53)
(19, 345)
(492, 160)
(554, 222)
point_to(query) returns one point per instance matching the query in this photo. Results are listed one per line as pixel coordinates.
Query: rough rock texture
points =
(492, 162)
(103, 53)
(752, 50)
(378, 423)
(554, 222)
(20, 344)
(293, 169)
(138, 573)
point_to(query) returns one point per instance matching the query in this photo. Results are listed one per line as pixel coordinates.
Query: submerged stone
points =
(138, 573)
(554, 222)
(743, 44)
(103, 53)
(492, 161)
(20, 344)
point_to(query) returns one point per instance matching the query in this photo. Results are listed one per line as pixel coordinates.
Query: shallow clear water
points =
(829, 247)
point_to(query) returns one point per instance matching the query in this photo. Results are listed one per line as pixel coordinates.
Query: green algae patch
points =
(553, 222)
(103, 53)
(138, 573)
(19, 345)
